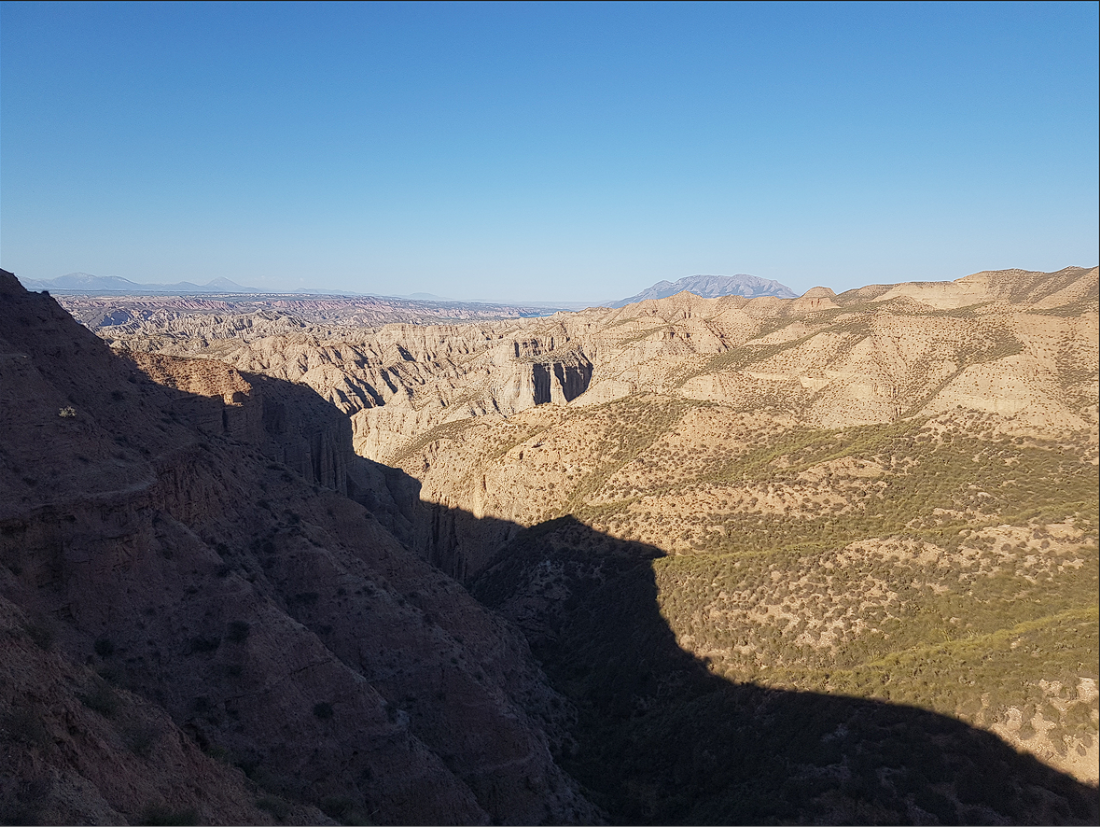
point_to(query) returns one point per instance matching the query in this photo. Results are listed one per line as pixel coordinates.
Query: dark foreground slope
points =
(187, 599)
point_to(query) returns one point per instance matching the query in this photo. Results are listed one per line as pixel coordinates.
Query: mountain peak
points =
(223, 284)
(86, 283)
(709, 287)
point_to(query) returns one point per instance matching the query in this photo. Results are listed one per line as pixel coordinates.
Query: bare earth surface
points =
(823, 559)
(200, 626)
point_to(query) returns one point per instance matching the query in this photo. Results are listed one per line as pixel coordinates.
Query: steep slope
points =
(190, 544)
(78, 750)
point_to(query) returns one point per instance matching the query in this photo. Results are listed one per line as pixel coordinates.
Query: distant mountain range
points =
(709, 287)
(704, 286)
(87, 283)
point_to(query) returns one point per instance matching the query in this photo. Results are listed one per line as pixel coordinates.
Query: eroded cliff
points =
(186, 541)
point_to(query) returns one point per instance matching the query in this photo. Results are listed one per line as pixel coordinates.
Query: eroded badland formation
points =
(826, 559)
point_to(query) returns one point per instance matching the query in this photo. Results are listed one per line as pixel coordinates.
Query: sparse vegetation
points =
(944, 561)
(781, 566)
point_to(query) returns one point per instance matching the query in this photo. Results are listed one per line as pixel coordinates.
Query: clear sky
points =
(547, 152)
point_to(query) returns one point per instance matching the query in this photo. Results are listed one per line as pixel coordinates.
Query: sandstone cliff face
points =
(1008, 343)
(291, 425)
(189, 541)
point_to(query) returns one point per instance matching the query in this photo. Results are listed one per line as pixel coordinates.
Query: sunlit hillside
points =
(888, 495)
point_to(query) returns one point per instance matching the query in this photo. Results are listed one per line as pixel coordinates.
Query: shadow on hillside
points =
(662, 740)
(657, 737)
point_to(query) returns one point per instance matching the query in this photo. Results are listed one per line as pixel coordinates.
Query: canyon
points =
(818, 559)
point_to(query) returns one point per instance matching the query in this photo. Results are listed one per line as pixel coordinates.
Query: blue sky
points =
(554, 152)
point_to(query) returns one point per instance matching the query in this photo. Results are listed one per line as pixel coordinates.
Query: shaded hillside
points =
(663, 738)
(187, 595)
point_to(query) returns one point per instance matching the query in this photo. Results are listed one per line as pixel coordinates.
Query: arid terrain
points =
(819, 560)
(200, 626)
(195, 320)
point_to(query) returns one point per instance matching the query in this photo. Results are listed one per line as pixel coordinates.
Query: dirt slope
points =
(190, 546)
